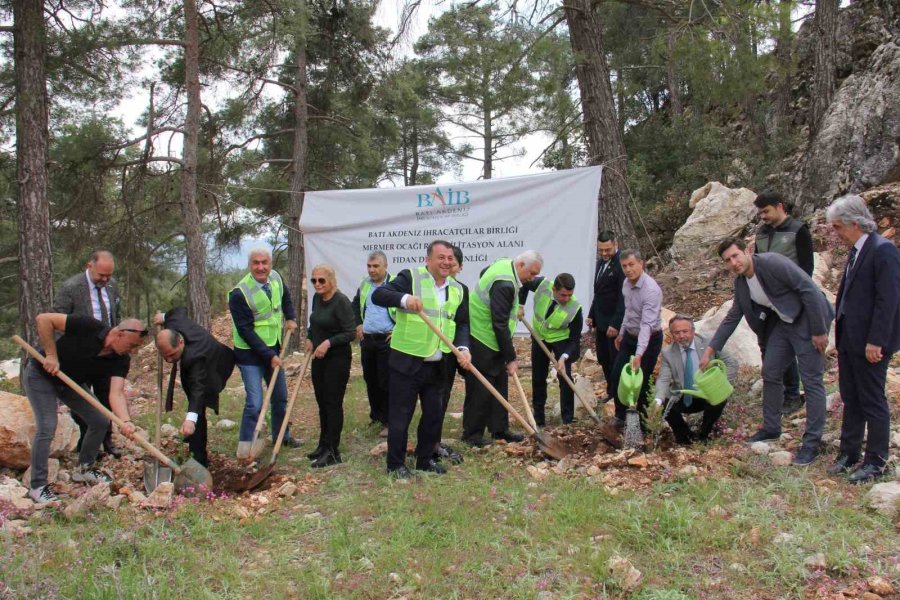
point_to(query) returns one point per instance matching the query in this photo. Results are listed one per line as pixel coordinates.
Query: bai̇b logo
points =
(439, 197)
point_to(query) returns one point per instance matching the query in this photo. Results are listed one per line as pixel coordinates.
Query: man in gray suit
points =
(791, 317)
(678, 370)
(92, 293)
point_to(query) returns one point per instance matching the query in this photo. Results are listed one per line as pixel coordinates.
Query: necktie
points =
(170, 392)
(688, 375)
(601, 270)
(104, 313)
(267, 290)
(852, 259)
(551, 309)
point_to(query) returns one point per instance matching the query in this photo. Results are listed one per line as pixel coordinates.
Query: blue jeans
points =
(253, 376)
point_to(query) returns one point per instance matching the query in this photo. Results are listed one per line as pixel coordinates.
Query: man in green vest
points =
(418, 356)
(261, 308)
(373, 330)
(789, 237)
(557, 320)
(493, 310)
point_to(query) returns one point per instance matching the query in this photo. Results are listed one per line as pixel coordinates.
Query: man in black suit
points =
(94, 294)
(417, 354)
(867, 333)
(791, 317)
(608, 308)
(206, 365)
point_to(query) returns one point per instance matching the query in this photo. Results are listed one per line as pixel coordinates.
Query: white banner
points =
(554, 213)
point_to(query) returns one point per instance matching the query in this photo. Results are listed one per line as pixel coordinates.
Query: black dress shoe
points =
(508, 436)
(317, 452)
(444, 451)
(475, 442)
(843, 464)
(764, 436)
(401, 473)
(791, 405)
(867, 474)
(326, 459)
(429, 464)
(291, 442)
(805, 456)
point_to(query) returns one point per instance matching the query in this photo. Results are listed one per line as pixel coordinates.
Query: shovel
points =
(154, 473)
(257, 444)
(548, 444)
(562, 373)
(189, 475)
(528, 412)
(265, 471)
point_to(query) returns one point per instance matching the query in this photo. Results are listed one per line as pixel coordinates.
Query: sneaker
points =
(43, 495)
(291, 442)
(764, 436)
(805, 456)
(88, 474)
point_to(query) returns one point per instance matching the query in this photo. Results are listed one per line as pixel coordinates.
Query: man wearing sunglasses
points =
(93, 355)
(261, 308)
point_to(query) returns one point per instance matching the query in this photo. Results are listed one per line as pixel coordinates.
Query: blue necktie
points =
(852, 259)
(267, 290)
(688, 376)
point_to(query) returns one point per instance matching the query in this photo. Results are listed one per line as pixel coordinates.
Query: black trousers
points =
(374, 351)
(101, 392)
(451, 368)
(481, 409)
(329, 378)
(679, 426)
(648, 363)
(606, 356)
(197, 440)
(425, 384)
(540, 367)
(866, 410)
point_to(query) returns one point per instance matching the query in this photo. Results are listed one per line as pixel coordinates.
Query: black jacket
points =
(608, 306)
(205, 364)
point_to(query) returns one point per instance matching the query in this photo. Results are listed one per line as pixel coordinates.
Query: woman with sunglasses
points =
(331, 329)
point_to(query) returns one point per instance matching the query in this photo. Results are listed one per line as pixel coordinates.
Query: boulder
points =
(781, 458)
(13, 492)
(52, 475)
(719, 211)
(885, 498)
(858, 143)
(17, 430)
(742, 346)
(161, 497)
(97, 495)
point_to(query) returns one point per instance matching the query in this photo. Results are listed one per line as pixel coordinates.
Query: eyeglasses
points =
(320, 280)
(140, 332)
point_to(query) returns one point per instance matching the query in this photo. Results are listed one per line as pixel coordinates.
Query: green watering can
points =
(712, 384)
(630, 382)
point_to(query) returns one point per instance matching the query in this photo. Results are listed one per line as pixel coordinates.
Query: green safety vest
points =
(555, 327)
(480, 302)
(411, 335)
(365, 288)
(268, 320)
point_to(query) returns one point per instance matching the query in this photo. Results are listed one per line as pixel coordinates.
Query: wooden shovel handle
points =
(528, 411)
(96, 404)
(562, 373)
(478, 375)
(290, 407)
(271, 387)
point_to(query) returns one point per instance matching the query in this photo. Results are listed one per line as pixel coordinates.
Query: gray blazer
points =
(671, 368)
(792, 292)
(74, 298)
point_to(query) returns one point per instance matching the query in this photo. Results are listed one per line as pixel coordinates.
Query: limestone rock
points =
(115, 502)
(137, 498)
(536, 473)
(16, 528)
(895, 439)
(816, 562)
(288, 489)
(379, 450)
(781, 458)
(885, 498)
(97, 495)
(742, 345)
(879, 585)
(626, 576)
(225, 424)
(761, 448)
(858, 143)
(13, 492)
(161, 497)
(17, 430)
(169, 430)
(52, 475)
(718, 212)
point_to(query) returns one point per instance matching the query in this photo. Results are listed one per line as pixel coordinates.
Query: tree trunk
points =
(599, 115)
(35, 259)
(487, 132)
(783, 46)
(825, 58)
(675, 107)
(414, 145)
(298, 186)
(198, 296)
(620, 99)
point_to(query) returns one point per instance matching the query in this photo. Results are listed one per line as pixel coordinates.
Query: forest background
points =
(251, 103)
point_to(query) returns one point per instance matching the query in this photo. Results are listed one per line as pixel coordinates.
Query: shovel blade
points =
(552, 447)
(193, 476)
(258, 477)
(155, 474)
